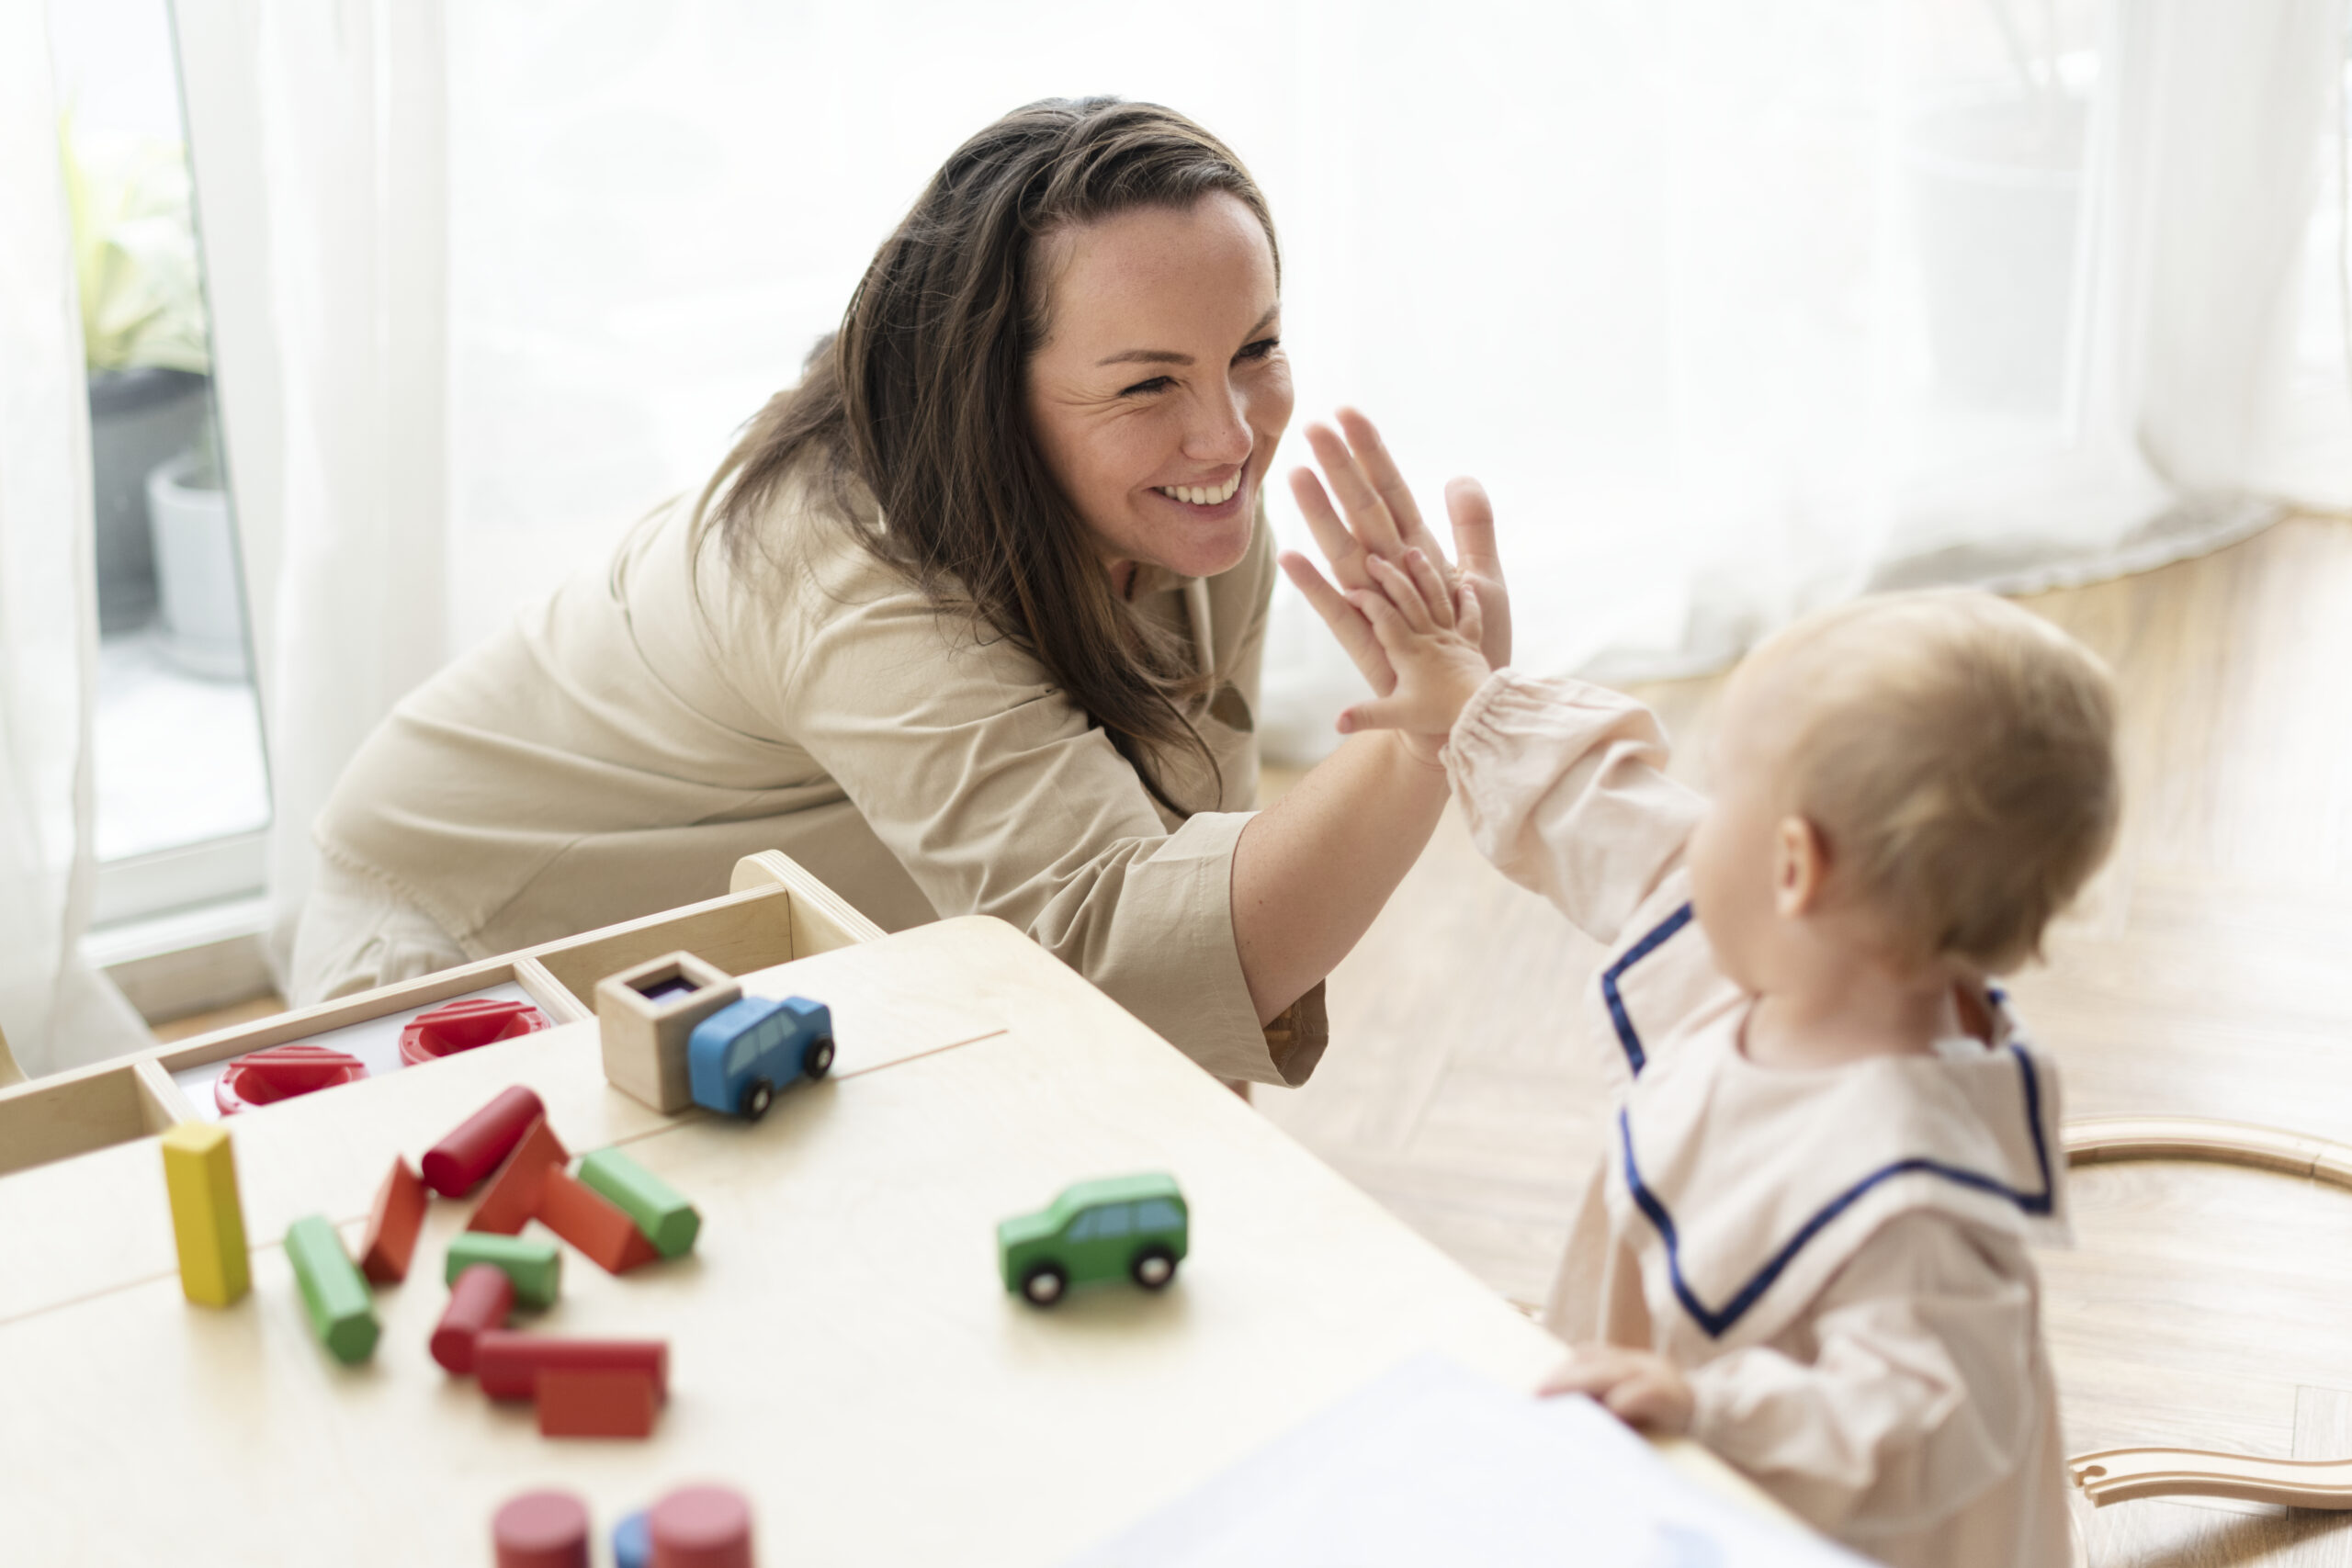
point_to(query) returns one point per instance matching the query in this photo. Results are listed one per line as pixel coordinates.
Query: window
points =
(182, 784)
(1158, 1214)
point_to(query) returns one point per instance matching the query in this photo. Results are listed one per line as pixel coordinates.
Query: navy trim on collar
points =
(1717, 1322)
(1618, 1016)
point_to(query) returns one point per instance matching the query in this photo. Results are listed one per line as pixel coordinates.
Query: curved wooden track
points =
(2118, 1475)
(2100, 1139)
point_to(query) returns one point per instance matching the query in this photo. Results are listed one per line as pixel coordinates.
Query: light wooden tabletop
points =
(841, 1349)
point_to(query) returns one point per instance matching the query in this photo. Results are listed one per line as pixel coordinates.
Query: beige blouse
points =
(614, 750)
(1836, 1258)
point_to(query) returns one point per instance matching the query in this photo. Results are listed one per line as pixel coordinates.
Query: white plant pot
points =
(201, 624)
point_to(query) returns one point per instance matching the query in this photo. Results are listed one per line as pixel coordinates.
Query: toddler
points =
(1807, 1244)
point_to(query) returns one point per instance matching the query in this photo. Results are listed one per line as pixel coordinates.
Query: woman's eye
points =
(1157, 384)
(1258, 350)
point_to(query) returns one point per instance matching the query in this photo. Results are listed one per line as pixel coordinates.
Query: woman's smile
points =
(1210, 498)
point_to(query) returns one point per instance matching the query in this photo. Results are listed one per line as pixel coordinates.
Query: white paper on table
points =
(1431, 1464)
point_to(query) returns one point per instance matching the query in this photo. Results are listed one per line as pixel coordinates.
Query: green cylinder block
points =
(669, 1222)
(341, 1307)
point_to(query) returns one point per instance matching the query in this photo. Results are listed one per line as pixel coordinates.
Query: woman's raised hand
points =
(1383, 522)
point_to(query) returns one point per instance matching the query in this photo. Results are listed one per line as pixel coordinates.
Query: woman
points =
(969, 621)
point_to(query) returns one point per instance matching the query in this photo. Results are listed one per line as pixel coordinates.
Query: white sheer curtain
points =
(1735, 307)
(54, 1011)
(317, 134)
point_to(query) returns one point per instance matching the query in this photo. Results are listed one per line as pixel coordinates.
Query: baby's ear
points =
(1800, 867)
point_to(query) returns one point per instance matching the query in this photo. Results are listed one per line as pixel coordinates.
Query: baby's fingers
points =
(1402, 593)
(1430, 581)
(1388, 624)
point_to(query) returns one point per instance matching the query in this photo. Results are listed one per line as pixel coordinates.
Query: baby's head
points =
(1930, 777)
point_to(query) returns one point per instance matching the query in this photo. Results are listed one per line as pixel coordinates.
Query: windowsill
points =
(189, 960)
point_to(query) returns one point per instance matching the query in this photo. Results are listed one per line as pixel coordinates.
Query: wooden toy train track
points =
(2118, 1475)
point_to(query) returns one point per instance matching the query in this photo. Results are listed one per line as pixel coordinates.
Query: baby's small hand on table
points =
(1640, 1388)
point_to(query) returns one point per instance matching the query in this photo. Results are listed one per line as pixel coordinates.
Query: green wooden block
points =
(536, 1267)
(341, 1307)
(669, 1222)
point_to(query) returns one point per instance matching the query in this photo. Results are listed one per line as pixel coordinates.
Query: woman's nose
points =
(1219, 429)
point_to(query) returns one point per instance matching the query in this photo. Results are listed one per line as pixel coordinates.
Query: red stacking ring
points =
(464, 1025)
(282, 1072)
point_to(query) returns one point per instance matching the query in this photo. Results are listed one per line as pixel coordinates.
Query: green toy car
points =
(1135, 1226)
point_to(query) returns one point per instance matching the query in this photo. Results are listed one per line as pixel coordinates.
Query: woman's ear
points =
(1800, 866)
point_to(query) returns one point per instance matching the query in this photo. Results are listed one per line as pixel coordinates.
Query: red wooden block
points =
(701, 1526)
(581, 1403)
(587, 1219)
(474, 1147)
(513, 1195)
(478, 1302)
(508, 1364)
(541, 1530)
(399, 1214)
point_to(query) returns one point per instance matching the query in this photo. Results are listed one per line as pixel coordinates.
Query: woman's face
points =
(1161, 390)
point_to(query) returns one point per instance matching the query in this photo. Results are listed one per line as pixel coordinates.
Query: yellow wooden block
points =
(200, 1172)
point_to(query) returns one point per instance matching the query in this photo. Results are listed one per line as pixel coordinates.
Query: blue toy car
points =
(738, 1057)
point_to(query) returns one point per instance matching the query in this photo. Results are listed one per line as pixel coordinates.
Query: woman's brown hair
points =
(920, 399)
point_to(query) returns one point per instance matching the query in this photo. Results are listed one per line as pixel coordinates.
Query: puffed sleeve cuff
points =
(1563, 785)
(1171, 959)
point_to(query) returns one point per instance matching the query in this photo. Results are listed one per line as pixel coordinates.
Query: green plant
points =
(134, 253)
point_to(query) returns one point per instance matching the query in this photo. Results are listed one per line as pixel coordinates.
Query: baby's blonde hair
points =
(1958, 755)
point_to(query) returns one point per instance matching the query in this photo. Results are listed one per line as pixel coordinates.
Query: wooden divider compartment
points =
(776, 912)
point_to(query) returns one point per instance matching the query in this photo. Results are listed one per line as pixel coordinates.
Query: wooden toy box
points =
(774, 912)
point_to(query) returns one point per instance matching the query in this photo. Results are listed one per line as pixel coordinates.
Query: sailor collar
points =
(1746, 1189)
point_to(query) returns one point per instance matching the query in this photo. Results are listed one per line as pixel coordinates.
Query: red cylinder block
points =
(478, 1302)
(541, 1530)
(508, 1364)
(702, 1527)
(471, 1152)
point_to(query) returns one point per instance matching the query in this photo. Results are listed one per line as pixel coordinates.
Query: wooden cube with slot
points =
(645, 1016)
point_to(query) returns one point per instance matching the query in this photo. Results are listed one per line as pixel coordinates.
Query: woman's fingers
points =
(1469, 617)
(1356, 635)
(1331, 535)
(1387, 480)
(1368, 516)
(1474, 527)
(1474, 550)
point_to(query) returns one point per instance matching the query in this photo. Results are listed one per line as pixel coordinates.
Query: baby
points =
(1807, 1244)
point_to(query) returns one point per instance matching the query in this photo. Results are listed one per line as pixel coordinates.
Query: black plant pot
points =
(139, 417)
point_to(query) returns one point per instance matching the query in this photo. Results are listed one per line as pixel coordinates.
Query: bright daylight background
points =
(1736, 305)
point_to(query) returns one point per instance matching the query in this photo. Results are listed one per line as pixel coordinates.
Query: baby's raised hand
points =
(1431, 638)
(1640, 1388)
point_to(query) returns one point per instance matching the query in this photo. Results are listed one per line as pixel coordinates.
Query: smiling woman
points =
(968, 622)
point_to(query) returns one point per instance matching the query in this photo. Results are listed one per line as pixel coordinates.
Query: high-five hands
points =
(1416, 626)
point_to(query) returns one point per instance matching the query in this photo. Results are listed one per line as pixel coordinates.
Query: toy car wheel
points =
(820, 1059)
(1153, 1267)
(1044, 1284)
(758, 1095)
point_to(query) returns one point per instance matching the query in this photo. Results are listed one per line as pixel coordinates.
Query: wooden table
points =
(841, 1349)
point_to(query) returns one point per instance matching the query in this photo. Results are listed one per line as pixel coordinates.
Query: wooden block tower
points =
(645, 1015)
